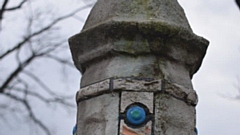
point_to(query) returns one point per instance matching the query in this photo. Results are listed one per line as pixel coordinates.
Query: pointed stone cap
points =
(143, 11)
(137, 38)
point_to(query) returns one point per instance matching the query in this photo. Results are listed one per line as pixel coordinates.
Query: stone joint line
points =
(111, 85)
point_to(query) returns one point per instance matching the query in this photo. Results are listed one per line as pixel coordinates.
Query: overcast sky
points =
(219, 22)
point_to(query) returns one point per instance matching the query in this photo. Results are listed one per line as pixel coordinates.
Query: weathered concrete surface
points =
(145, 98)
(141, 10)
(99, 115)
(93, 90)
(137, 39)
(173, 116)
(130, 84)
(150, 39)
(187, 95)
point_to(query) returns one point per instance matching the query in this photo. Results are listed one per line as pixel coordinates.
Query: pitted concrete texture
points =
(141, 10)
(98, 116)
(137, 39)
(145, 98)
(173, 116)
(187, 95)
(141, 39)
(94, 89)
(137, 85)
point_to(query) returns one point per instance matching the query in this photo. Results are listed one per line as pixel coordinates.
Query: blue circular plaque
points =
(136, 115)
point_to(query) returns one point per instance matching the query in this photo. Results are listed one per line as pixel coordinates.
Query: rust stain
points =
(127, 131)
(147, 130)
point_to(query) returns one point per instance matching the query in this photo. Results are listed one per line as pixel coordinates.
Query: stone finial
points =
(137, 58)
(134, 38)
(140, 38)
(160, 11)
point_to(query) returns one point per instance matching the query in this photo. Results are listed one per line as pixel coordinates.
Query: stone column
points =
(137, 58)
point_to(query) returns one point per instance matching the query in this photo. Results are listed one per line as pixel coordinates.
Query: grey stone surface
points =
(137, 39)
(122, 66)
(94, 89)
(131, 85)
(173, 116)
(145, 98)
(137, 85)
(145, 130)
(99, 115)
(119, 84)
(187, 94)
(141, 10)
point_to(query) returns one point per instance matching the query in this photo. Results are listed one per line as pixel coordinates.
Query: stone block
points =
(145, 98)
(189, 95)
(137, 85)
(99, 115)
(173, 116)
(94, 89)
(123, 38)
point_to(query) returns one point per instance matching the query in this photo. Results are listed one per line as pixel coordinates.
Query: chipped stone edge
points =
(187, 95)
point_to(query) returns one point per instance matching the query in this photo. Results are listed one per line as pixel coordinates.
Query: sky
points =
(216, 81)
(217, 111)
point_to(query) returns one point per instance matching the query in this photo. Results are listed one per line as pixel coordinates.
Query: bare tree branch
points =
(47, 27)
(16, 7)
(39, 41)
(42, 98)
(30, 112)
(3, 9)
(50, 48)
(39, 82)
(16, 72)
(52, 99)
(238, 3)
(43, 85)
(237, 86)
(26, 104)
(78, 18)
(62, 61)
(22, 65)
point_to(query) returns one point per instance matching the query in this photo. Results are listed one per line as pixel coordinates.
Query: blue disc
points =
(136, 115)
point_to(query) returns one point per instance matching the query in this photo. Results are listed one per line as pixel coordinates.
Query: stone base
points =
(102, 108)
(99, 115)
(173, 116)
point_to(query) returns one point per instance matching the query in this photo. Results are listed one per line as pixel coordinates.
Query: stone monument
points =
(137, 59)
